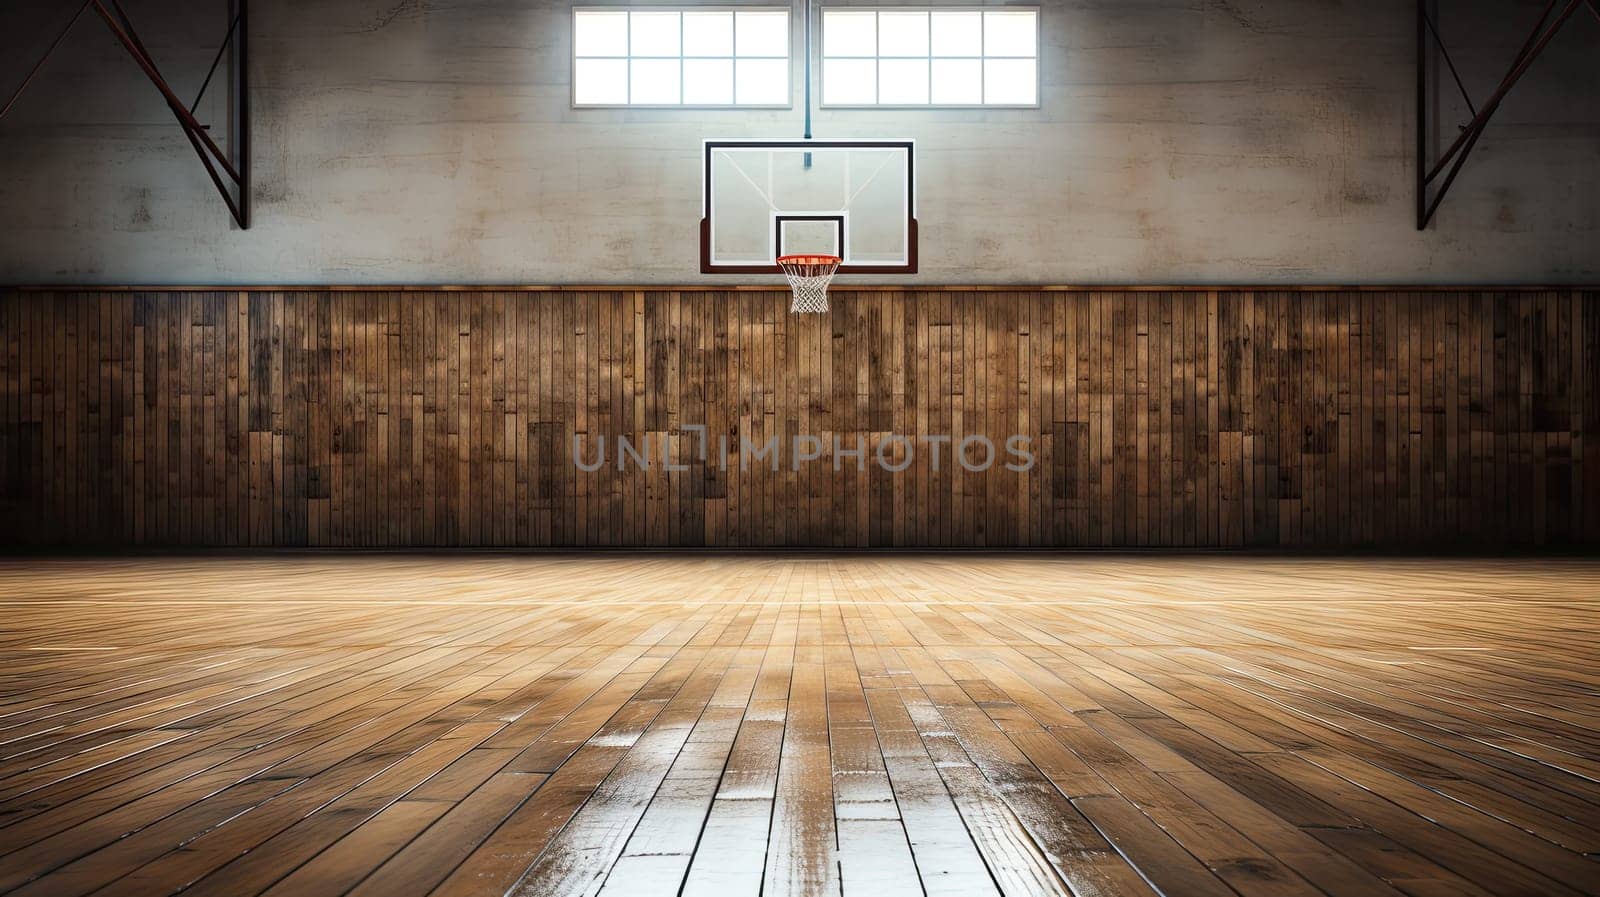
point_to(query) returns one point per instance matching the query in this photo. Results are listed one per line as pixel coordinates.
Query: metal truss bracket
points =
(1455, 156)
(229, 171)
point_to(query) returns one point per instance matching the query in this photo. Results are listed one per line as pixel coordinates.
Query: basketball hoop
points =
(809, 276)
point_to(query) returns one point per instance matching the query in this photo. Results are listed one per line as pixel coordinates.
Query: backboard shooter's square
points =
(851, 198)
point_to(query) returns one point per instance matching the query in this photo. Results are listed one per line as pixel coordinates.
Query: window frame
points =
(822, 56)
(680, 8)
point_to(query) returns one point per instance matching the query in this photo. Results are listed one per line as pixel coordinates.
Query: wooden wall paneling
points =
(1586, 477)
(1227, 369)
(1184, 382)
(661, 312)
(285, 376)
(1160, 421)
(969, 377)
(11, 423)
(940, 396)
(1205, 429)
(1033, 492)
(70, 404)
(1490, 323)
(1504, 411)
(464, 487)
(721, 497)
(202, 437)
(1367, 450)
(62, 324)
(635, 387)
(1054, 458)
(28, 472)
(1096, 358)
(1469, 524)
(84, 416)
(1008, 381)
(419, 360)
(1557, 503)
(924, 333)
(62, 423)
(1538, 409)
(1527, 304)
(1313, 355)
(346, 435)
(1491, 492)
(964, 379)
(1121, 491)
(391, 416)
(1188, 384)
(1532, 408)
(1237, 419)
(1329, 522)
(10, 419)
(496, 507)
(1067, 464)
(176, 367)
(40, 405)
(1254, 388)
(996, 412)
(189, 442)
(1048, 386)
(1458, 379)
(1163, 418)
(102, 432)
(1090, 402)
(1405, 489)
(1509, 424)
(77, 477)
(1469, 346)
(1291, 452)
(22, 475)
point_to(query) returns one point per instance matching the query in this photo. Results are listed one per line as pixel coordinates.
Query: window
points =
(654, 56)
(930, 57)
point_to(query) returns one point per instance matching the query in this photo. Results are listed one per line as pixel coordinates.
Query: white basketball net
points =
(809, 276)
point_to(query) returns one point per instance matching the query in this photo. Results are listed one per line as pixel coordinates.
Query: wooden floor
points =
(704, 725)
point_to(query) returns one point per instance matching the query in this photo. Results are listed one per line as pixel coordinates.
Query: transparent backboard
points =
(849, 198)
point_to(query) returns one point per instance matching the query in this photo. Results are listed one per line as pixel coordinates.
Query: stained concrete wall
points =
(433, 141)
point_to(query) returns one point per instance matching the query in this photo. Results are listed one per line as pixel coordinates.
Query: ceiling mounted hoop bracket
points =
(1431, 49)
(229, 170)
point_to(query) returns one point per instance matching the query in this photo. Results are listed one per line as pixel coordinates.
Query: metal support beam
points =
(234, 164)
(1429, 170)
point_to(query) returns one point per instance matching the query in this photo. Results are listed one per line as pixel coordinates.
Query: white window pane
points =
(849, 32)
(1010, 33)
(654, 34)
(761, 81)
(762, 33)
(708, 34)
(600, 82)
(1010, 81)
(957, 33)
(848, 82)
(903, 82)
(654, 81)
(958, 82)
(708, 82)
(902, 33)
(600, 33)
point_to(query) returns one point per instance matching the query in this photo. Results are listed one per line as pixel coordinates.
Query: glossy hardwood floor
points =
(878, 725)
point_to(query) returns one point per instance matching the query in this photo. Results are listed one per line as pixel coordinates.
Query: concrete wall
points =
(433, 141)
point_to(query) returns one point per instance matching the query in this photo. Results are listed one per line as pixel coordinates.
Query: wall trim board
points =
(769, 287)
(1416, 419)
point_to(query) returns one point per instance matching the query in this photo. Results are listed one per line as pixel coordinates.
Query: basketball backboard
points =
(851, 198)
